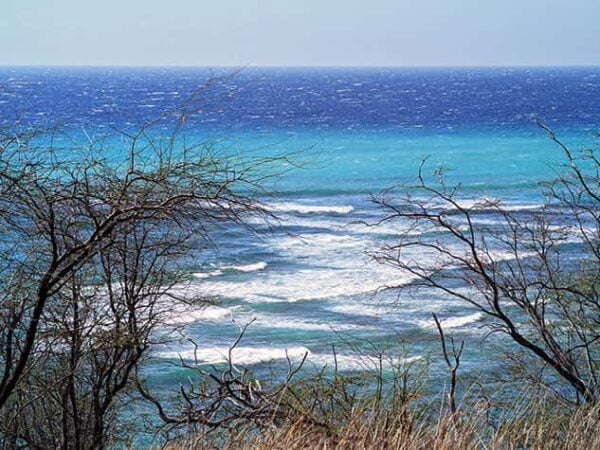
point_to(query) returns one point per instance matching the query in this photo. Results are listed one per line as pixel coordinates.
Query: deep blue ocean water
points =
(309, 283)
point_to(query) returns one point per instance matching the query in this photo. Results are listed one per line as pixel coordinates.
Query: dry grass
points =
(531, 428)
(343, 411)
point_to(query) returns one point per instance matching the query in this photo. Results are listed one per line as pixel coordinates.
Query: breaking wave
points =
(453, 322)
(239, 355)
(257, 355)
(308, 209)
(255, 267)
(183, 315)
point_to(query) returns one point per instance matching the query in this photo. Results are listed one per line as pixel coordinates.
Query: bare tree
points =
(90, 247)
(514, 266)
(96, 332)
(452, 358)
(218, 399)
(228, 401)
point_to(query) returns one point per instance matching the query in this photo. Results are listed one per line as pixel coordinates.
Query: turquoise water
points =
(307, 281)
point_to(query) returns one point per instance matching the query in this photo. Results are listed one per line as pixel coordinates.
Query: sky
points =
(300, 32)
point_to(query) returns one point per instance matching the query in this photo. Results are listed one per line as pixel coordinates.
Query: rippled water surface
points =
(308, 281)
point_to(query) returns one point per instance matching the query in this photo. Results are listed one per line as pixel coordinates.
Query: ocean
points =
(307, 281)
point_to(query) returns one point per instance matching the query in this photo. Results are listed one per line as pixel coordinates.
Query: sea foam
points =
(254, 267)
(184, 314)
(239, 355)
(308, 209)
(452, 322)
(246, 355)
(335, 265)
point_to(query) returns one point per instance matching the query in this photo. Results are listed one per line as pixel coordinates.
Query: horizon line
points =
(302, 66)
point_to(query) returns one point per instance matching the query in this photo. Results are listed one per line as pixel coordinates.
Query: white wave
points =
(322, 246)
(183, 315)
(485, 203)
(360, 309)
(386, 228)
(212, 273)
(290, 323)
(335, 265)
(308, 209)
(308, 284)
(255, 267)
(521, 206)
(239, 355)
(256, 355)
(249, 267)
(171, 312)
(453, 322)
(396, 228)
(330, 265)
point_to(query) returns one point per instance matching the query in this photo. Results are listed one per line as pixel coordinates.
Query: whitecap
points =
(247, 356)
(392, 228)
(254, 267)
(335, 265)
(239, 355)
(248, 267)
(493, 204)
(452, 322)
(184, 314)
(361, 309)
(308, 209)
(278, 322)
(203, 275)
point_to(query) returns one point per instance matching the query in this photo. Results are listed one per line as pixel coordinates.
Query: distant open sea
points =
(308, 282)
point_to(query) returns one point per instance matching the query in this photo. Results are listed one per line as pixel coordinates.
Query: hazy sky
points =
(300, 32)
